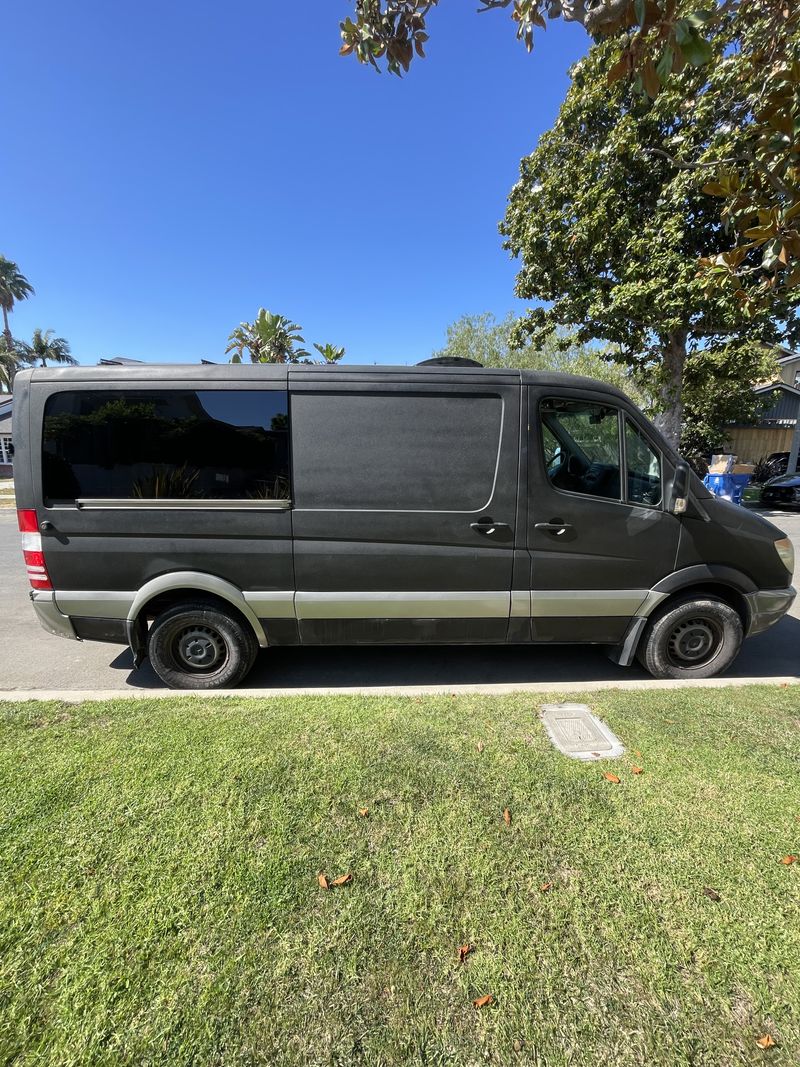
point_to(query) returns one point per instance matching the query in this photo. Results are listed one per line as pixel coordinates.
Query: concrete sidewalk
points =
(77, 696)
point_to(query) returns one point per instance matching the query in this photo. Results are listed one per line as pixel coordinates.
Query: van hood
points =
(739, 519)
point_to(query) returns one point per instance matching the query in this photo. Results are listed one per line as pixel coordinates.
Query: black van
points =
(199, 513)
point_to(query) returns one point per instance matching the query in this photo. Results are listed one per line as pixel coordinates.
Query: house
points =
(6, 451)
(776, 426)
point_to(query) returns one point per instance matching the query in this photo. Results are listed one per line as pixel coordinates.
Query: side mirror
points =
(680, 487)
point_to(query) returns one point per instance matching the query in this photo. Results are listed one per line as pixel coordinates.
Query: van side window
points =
(168, 444)
(586, 458)
(404, 451)
(643, 466)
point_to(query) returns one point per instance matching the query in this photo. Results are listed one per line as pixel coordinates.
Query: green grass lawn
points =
(160, 904)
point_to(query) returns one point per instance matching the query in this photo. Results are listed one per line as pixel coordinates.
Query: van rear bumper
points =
(768, 606)
(51, 619)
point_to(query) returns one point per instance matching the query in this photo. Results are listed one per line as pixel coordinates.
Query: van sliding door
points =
(404, 505)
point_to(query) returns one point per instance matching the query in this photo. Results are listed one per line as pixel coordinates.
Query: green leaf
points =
(664, 65)
(696, 49)
(698, 19)
(683, 31)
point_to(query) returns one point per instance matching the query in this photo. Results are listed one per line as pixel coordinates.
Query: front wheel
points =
(201, 646)
(696, 637)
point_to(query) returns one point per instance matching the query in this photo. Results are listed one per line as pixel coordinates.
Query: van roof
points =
(151, 373)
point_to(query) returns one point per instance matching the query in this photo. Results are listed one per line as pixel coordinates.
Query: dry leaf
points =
(766, 1041)
(789, 859)
(480, 746)
(343, 879)
(481, 1002)
(464, 951)
(363, 812)
(712, 894)
(638, 753)
(506, 816)
(323, 881)
(545, 886)
(637, 770)
(609, 777)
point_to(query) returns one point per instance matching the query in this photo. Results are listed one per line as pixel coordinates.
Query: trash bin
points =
(729, 486)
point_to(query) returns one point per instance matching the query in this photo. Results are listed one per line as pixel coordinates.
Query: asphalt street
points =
(32, 659)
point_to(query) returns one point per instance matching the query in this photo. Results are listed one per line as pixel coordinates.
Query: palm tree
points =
(13, 286)
(10, 362)
(330, 353)
(45, 347)
(270, 339)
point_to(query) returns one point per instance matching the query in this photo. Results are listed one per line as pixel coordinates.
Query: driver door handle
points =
(553, 527)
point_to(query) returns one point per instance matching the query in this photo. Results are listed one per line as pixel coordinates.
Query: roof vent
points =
(449, 361)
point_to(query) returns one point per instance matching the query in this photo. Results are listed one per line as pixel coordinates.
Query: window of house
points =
(170, 444)
(6, 449)
(399, 451)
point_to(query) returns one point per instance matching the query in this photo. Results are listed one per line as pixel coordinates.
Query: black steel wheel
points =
(694, 637)
(201, 646)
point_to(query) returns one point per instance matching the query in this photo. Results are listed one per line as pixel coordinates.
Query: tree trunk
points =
(6, 330)
(670, 392)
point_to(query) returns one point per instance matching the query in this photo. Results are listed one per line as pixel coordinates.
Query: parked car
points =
(199, 513)
(783, 491)
(777, 463)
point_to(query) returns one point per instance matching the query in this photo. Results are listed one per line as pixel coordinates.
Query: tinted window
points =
(586, 459)
(395, 452)
(167, 444)
(643, 466)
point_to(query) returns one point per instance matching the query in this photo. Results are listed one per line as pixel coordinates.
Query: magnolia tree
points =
(749, 53)
(609, 232)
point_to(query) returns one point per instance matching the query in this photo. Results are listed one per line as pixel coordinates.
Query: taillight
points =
(32, 549)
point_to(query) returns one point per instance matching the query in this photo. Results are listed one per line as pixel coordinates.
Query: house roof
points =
(6, 407)
(787, 357)
(792, 389)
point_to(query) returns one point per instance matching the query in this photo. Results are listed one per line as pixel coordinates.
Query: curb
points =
(78, 696)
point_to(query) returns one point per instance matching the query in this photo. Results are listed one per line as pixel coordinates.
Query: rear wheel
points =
(200, 646)
(695, 637)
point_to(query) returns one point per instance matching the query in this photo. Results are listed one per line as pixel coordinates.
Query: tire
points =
(694, 637)
(201, 646)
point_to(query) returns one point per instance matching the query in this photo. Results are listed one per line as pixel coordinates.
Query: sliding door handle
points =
(491, 529)
(554, 527)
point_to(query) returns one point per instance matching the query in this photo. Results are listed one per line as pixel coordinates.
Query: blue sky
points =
(169, 168)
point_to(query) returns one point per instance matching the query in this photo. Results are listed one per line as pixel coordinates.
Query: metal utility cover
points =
(577, 733)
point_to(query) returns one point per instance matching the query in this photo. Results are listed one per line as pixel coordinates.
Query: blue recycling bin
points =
(729, 486)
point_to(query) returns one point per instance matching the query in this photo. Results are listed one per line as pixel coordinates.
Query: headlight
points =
(785, 550)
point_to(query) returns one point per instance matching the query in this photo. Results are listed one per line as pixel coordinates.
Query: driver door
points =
(599, 535)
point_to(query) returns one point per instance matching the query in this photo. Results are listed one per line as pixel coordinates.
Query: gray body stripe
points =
(269, 605)
(520, 603)
(582, 603)
(95, 605)
(439, 605)
(284, 604)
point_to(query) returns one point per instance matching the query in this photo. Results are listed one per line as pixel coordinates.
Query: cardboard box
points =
(721, 464)
(743, 468)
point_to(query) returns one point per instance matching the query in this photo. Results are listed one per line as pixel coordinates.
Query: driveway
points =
(29, 659)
